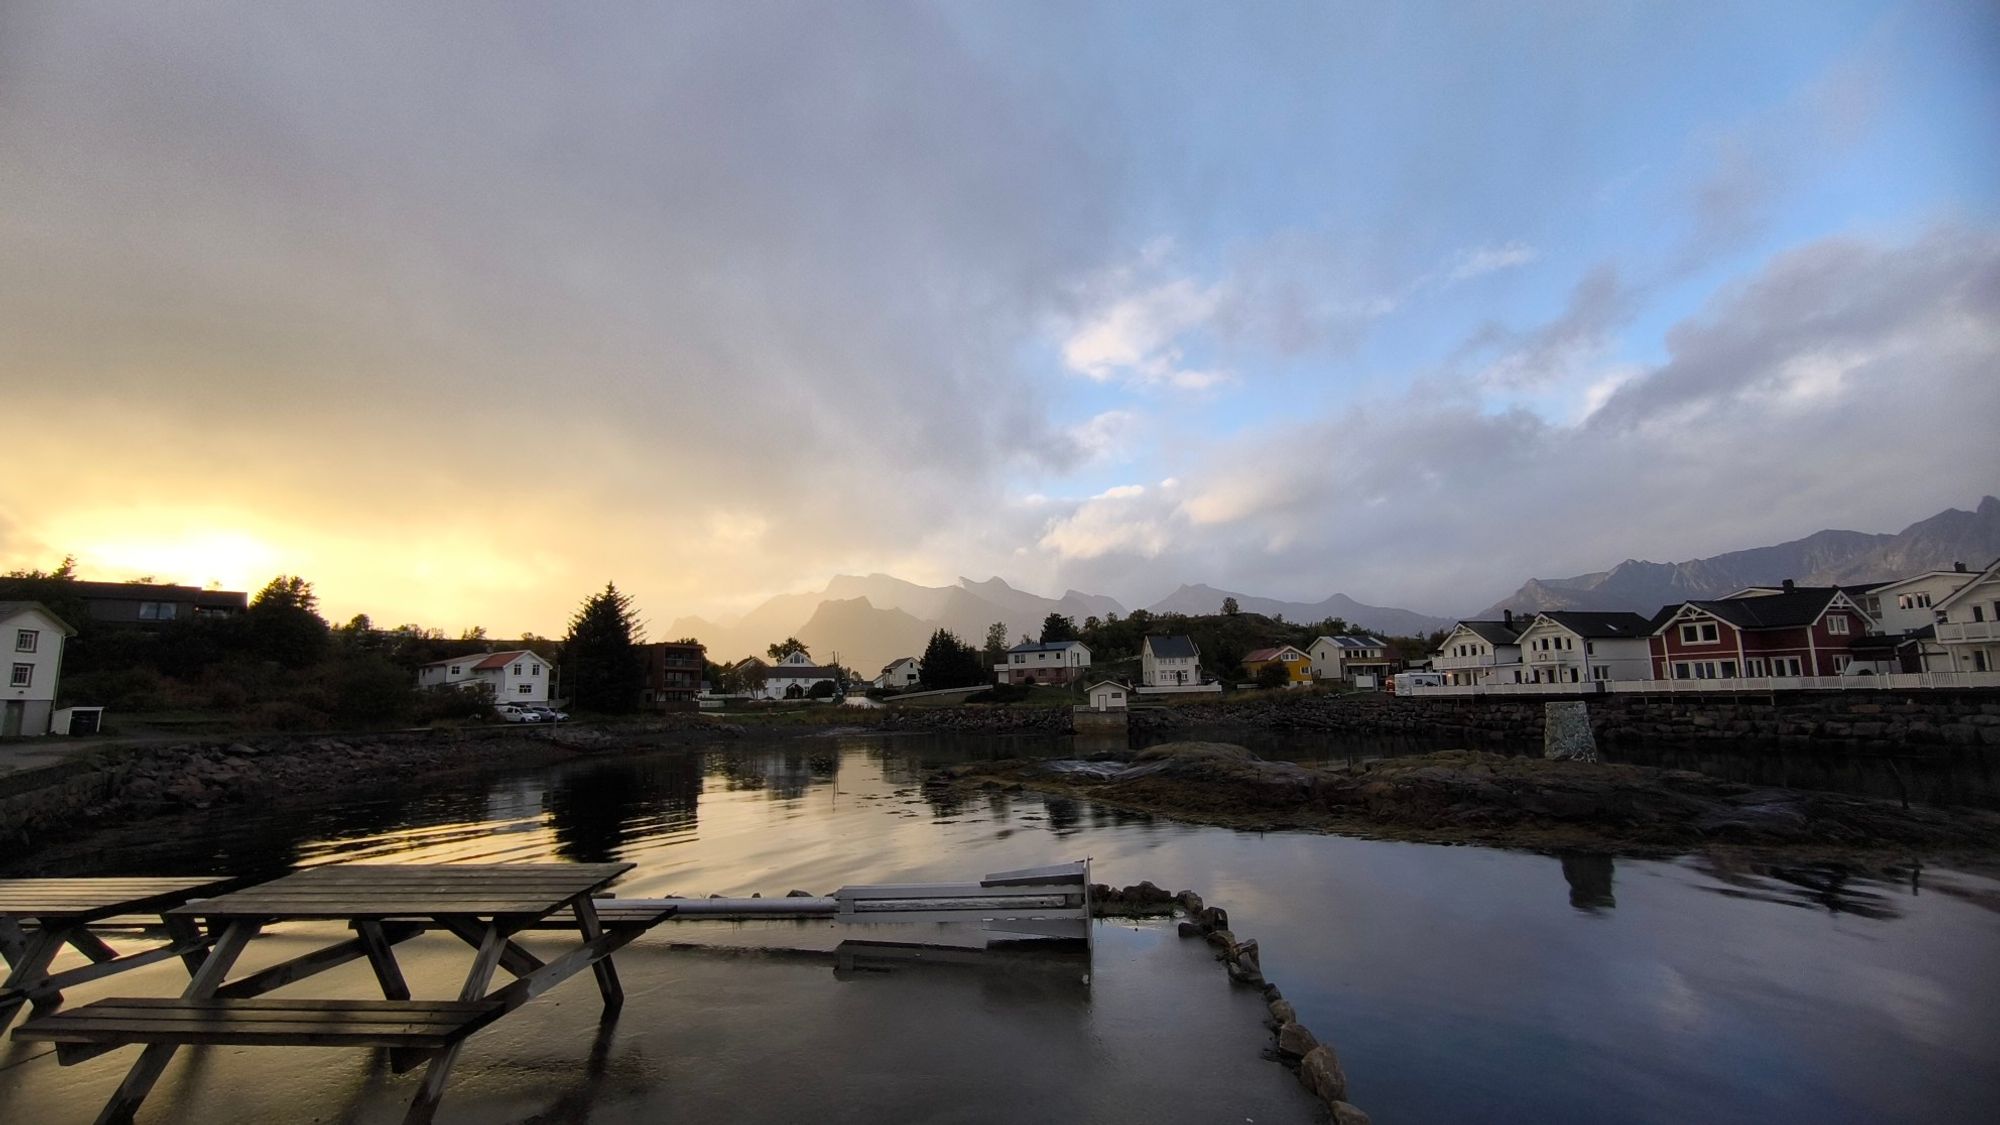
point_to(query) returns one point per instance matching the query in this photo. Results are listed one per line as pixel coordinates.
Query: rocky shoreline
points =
(123, 784)
(1470, 797)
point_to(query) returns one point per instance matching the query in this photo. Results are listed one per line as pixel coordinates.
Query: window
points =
(517, 669)
(1600, 672)
(25, 640)
(1978, 613)
(1756, 666)
(1700, 633)
(1840, 663)
(1020, 658)
(1681, 670)
(455, 669)
(1729, 669)
(1786, 666)
(1590, 648)
(1837, 624)
(534, 669)
(158, 611)
(522, 690)
(24, 676)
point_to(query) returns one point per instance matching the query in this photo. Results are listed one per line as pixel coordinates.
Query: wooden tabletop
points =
(355, 891)
(86, 900)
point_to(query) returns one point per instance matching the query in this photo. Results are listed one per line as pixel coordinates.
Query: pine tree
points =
(600, 655)
(285, 624)
(949, 662)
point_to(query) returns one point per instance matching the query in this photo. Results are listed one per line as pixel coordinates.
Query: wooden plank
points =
(131, 1092)
(607, 975)
(513, 958)
(382, 959)
(312, 964)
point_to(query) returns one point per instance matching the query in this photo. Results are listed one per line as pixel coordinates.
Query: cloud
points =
(1517, 359)
(1849, 376)
(1482, 260)
(1127, 520)
(1137, 338)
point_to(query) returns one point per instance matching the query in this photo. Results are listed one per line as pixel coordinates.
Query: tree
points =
(285, 624)
(601, 656)
(785, 648)
(949, 662)
(1091, 623)
(821, 689)
(1056, 627)
(1273, 675)
(476, 633)
(996, 642)
(1230, 608)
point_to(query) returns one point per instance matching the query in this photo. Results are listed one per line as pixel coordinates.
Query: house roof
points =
(1107, 682)
(1046, 646)
(1272, 654)
(891, 666)
(1171, 647)
(1885, 587)
(1346, 641)
(1799, 607)
(1594, 624)
(12, 609)
(1982, 576)
(486, 660)
(1498, 632)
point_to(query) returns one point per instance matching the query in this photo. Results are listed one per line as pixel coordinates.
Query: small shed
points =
(1106, 695)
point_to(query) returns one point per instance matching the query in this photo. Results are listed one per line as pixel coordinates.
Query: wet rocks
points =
(1320, 1072)
(1294, 1040)
(1283, 1013)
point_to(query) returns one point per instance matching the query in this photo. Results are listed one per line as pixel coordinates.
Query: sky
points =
(460, 310)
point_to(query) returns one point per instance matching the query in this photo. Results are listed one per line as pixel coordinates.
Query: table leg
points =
(186, 932)
(382, 959)
(31, 966)
(13, 941)
(153, 1060)
(91, 946)
(492, 943)
(607, 974)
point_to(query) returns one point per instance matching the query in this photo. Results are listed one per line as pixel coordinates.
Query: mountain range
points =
(1823, 558)
(869, 620)
(866, 621)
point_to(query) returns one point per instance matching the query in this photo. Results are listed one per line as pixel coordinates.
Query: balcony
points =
(1968, 632)
(1449, 663)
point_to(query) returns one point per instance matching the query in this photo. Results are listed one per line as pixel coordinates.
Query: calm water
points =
(1458, 983)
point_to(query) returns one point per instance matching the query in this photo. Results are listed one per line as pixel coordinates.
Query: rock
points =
(1190, 902)
(1320, 1072)
(1245, 954)
(1245, 974)
(1213, 918)
(1294, 1040)
(1271, 992)
(1566, 733)
(1283, 1013)
(798, 894)
(1221, 939)
(1189, 929)
(1345, 1113)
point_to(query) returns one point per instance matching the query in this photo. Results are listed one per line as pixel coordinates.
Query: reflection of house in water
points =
(785, 775)
(594, 810)
(520, 799)
(1589, 876)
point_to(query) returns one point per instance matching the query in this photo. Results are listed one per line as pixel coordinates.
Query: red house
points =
(1789, 631)
(673, 675)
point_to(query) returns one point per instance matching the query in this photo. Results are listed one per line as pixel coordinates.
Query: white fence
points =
(1766, 684)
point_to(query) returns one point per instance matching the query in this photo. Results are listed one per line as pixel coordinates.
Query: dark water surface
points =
(1458, 983)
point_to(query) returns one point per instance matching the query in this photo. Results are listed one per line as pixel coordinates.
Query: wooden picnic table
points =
(38, 917)
(385, 904)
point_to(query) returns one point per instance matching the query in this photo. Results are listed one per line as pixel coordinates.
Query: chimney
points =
(1507, 617)
(1790, 585)
(1959, 567)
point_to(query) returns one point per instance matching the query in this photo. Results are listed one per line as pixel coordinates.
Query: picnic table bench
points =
(38, 917)
(385, 905)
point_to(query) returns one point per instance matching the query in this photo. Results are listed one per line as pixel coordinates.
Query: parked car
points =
(544, 712)
(515, 713)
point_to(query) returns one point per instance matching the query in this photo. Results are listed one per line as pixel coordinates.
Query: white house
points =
(1345, 657)
(1576, 647)
(34, 637)
(1169, 661)
(516, 676)
(797, 670)
(1106, 695)
(899, 673)
(1906, 610)
(1480, 652)
(1968, 624)
(1053, 662)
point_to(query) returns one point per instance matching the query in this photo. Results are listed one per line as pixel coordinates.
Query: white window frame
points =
(1700, 633)
(24, 676)
(1837, 624)
(27, 640)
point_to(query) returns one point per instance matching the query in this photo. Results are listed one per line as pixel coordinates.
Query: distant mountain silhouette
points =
(1198, 599)
(1822, 558)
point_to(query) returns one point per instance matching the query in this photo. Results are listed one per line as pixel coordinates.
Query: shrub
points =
(1273, 675)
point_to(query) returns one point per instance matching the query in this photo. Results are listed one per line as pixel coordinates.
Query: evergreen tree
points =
(1056, 627)
(996, 642)
(785, 648)
(949, 662)
(1230, 608)
(285, 624)
(600, 655)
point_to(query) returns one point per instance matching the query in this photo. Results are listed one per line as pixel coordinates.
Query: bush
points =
(1273, 675)
(1002, 693)
(821, 690)
(287, 715)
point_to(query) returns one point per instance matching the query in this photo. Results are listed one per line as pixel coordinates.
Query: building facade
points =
(1169, 662)
(1297, 665)
(516, 676)
(1968, 624)
(672, 675)
(1799, 631)
(1480, 652)
(900, 674)
(1341, 659)
(1580, 647)
(148, 605)
(33, 636)
(1053, 662)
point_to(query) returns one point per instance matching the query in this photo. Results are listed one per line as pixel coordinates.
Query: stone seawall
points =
(1865, 721)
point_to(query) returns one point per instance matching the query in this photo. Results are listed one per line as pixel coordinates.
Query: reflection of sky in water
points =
(1458, 983)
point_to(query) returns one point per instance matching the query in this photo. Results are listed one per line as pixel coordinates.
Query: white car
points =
(544, 712)
(511, 713)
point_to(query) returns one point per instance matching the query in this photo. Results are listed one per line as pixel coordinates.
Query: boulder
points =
(1566, 733)
(1213, 918)
(1320, 1072)
(1294, 1040)
(1221, 939)
(1190, 902)
(798, 894)
(1345, 1113)
(1283, 1012)
(1189, 929)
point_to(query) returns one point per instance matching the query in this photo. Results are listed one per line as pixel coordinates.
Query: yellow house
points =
(1298, 666)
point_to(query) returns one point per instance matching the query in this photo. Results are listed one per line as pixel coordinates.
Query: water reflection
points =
(1831, 888)
(594, 813)
(1589, 877)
